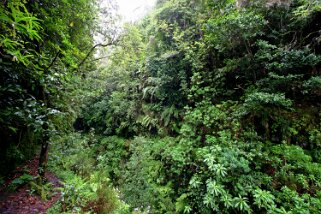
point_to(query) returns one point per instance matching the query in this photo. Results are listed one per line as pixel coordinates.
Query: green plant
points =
(212, 107)
(76, 194)
(20, 181)
(44, 190)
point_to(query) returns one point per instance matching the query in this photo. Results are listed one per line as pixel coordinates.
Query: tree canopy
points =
(42, 44)
(201, 106)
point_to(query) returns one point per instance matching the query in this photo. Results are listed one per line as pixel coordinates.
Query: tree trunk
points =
(43, 159)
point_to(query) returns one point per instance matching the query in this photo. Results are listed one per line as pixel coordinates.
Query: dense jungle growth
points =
(203, 106)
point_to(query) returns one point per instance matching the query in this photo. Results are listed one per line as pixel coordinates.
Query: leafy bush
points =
(219, 107)
(79, 162)
(20, 181)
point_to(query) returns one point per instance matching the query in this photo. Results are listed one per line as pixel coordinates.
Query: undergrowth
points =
(85, 176)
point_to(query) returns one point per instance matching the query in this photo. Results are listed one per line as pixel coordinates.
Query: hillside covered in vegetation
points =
(201, 107)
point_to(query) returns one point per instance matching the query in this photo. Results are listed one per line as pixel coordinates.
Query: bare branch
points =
(92, 49)
(53, 61)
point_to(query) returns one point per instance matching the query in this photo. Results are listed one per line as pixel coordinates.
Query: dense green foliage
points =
(42, 43)
(84, 162)
(46, 53)
(206, 106)
(220, 103)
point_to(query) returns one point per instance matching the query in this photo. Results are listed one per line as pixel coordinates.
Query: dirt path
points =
(21, 201)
